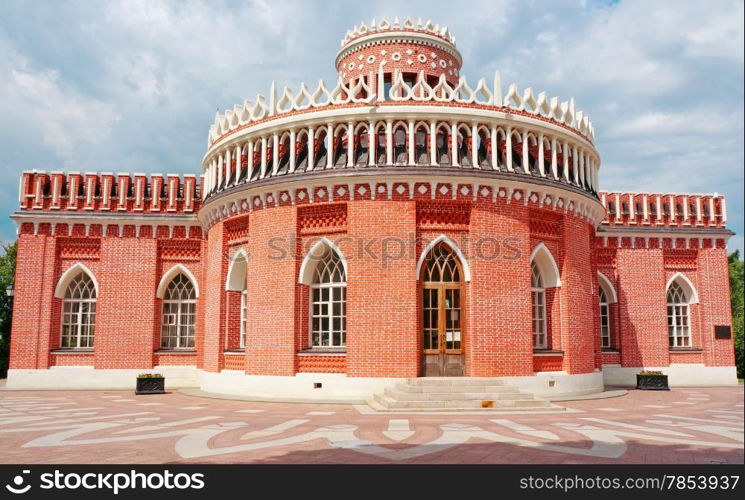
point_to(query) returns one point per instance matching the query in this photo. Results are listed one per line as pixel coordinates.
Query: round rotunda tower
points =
(402, 223)
(376, 52)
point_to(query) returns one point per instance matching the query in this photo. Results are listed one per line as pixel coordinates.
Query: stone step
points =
(455, 381)
(492, 389)
(403, 395)
(392, 404)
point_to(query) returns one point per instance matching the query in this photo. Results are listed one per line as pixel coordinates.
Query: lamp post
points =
(10, 291)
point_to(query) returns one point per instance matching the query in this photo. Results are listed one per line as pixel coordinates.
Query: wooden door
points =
(442, 314)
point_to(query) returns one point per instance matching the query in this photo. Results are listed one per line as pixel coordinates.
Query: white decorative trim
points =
(233, 280)
(69, 275)
(305, 276)
(687, 285)
(444, 239)
(172, 273)
(546, 263)
(610, 291)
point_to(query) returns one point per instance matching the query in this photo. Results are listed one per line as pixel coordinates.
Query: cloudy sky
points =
(133, 86)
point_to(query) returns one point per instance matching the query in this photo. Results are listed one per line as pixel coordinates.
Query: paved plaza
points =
(696, 425)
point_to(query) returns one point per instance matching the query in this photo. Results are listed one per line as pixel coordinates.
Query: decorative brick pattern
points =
(320, 219)
(321, 364)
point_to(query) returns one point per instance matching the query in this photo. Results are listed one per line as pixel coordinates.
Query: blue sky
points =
(133, 86)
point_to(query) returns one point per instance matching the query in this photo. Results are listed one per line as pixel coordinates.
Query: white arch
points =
(69, 275)
(687, 286)
(313, 257)
(607, 286)
(172, 273)
(236, 279)
(444, 239)
(547, 265)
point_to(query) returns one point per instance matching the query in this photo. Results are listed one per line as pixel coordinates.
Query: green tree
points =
(7, 276)
(737, 292)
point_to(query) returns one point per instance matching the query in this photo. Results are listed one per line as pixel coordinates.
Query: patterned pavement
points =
(697, 425)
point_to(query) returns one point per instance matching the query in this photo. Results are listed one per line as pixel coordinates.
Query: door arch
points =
(443, 322)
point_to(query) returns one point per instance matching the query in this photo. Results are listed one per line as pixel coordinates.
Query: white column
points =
(723, 207)
(227, 167)
(712, 215)
(575, 165)
(411, 142)
(219, 172)
(372, 144)
(659, 209)
(474, 151)
(275, 153)
(311, 148)
(581, 171)
(618, 207)
(698, 210)
(293, 137)
(250, 161)
(632, 209)
(541, 163)
(350, 144)
(554, 165)
(263, 157)
(526, 166)
(673, 215)
(508, 148)
(493, 142)
(238, 163)
(433, 143)
(685, 211)
(389, 142)
(645, 208)
(565, 151)
(330, 150)
(455, 161)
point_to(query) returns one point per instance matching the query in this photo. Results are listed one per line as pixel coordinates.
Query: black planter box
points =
(151, 385)
(652, 382)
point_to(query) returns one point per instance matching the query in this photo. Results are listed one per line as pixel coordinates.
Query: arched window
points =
(678, 320)
(604, 320)
(328, 301)
(179, 304)
(538, 296)
(79, 313)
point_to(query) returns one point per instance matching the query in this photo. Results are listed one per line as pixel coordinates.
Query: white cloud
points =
(64, 118)
(134, 85)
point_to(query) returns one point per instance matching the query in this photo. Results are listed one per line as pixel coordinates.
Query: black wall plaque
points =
(722, 332)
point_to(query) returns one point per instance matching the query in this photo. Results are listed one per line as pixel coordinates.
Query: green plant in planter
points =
(652, 380)
(150, 383)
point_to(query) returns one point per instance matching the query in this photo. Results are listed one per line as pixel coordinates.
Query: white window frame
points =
(540, 337)
(183, 330)
(326, 306)
(80, 320)
(678, 317)
(244, 318)
(605, 340)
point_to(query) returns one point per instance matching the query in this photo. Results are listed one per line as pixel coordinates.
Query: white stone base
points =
(335, 387)
(87, 377)
(678, 375)
(547, 385)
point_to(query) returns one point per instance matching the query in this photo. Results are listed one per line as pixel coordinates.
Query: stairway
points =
(456, 394)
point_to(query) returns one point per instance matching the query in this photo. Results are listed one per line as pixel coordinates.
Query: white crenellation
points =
(360, 92)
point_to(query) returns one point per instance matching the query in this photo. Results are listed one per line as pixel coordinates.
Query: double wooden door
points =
(442, 320)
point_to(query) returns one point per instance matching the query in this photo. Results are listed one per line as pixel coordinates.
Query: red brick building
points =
(401, 223)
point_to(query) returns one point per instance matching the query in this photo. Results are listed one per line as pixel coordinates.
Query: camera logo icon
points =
(17, 487)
